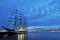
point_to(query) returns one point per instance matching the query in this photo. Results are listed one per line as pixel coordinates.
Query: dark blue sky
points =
(40, 13)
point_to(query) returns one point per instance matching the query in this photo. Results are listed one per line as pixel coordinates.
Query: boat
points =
(22, 27)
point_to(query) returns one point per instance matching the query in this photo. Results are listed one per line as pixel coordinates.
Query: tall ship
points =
(18, 21)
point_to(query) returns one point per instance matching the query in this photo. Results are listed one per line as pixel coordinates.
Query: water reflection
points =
(14, 37)
(21, 36)
(34, 36)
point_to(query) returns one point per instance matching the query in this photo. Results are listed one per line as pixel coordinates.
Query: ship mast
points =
(25, 22)
(15, 19)
(21, 20)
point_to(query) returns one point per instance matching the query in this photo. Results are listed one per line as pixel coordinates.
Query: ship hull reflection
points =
(14, 37)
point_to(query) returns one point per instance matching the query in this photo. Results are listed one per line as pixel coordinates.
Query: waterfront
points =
(35, 36)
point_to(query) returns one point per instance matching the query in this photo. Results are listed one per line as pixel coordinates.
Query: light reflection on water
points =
(15, 37)
(21, 36)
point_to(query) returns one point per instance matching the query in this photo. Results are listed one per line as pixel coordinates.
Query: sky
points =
(41, 14)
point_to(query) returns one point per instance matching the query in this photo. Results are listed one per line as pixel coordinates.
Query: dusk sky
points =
(41, 14)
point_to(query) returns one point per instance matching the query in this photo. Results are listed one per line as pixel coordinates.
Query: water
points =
(35, 36)
(44, 36)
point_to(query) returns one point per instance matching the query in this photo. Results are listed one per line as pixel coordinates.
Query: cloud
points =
(44, 27)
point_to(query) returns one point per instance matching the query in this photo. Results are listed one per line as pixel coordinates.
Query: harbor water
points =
(35, 36)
